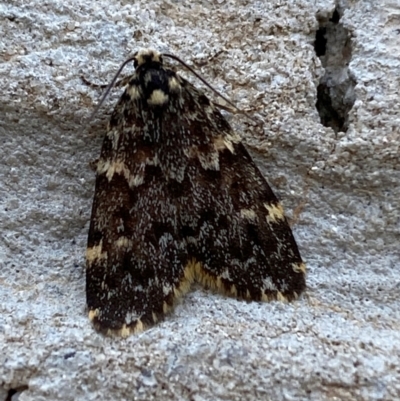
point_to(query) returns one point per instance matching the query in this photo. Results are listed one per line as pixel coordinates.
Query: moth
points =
(178, 199)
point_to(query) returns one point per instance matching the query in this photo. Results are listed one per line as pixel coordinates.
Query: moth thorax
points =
(155, 86)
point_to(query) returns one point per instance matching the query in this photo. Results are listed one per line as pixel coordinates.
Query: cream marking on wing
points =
(268, 285)
(166, 308)
(124, 242)
(93, 314)
(126, 331)
(299, 268)
(95, 253)
(174, 85)
(275, 212)
(248, 214)
(226, 142)
(102, 166)
(225, 275)
(166, 289)
(119, 167)
(134, 92)
(136, 180)
(209, 161)
(280, 297)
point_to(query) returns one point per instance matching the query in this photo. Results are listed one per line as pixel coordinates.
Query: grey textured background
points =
(341, 341)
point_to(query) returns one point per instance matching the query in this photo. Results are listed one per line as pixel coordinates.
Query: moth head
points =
(148, 57)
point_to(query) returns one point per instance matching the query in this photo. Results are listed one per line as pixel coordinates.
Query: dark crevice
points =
(11, 392)
(335, 92)
(14, 391)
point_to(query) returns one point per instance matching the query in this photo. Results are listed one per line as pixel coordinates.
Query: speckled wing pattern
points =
(178, 199)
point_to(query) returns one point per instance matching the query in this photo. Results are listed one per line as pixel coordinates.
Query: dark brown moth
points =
(178, 199)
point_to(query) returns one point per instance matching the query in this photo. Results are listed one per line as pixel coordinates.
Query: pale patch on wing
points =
(226, 142)
(154, 316)
(195, 271)
(93, 314)
(268, 285)
(102, 166)
(280, 297)
(174, 85)
(115, 134)
(166, 308)
(167, 289)
(96, 253)
(126, 331)
(119, 167)
(124, 242)
(299, 267)
(209, 161)
(134, 92)
(248, 214)
(226, 275)
(275, 212)
(274, 296)
(136, 180)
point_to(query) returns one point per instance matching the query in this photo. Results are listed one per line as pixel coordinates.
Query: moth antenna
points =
(202, 80)
(108, 89)
(176, 58)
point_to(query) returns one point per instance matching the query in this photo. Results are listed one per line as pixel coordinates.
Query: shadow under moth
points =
(178, 199)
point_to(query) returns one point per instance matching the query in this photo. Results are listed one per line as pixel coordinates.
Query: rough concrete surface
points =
(340, 187)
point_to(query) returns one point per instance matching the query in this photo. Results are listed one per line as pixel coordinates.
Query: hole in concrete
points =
(335, 92)
(15, 392)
